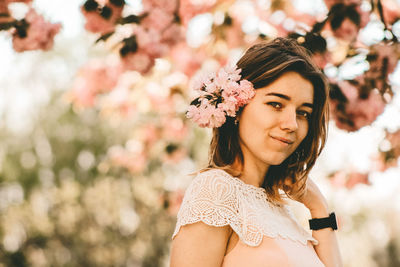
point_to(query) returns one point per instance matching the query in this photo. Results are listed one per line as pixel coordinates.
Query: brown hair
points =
(262, 64)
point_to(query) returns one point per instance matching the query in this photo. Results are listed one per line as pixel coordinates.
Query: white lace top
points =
(218, 199)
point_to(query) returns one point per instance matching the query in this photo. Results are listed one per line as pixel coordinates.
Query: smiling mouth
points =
(283, 140)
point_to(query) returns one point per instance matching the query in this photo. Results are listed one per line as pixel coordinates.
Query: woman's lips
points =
(283, 140)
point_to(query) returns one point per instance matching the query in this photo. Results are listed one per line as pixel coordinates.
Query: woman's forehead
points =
(290, 85)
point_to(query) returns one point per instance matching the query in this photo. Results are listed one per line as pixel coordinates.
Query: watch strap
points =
(321, 223)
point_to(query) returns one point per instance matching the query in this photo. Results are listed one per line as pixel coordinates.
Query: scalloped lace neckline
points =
(256, 189)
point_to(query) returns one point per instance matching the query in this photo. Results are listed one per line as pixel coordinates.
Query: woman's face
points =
(276, 120)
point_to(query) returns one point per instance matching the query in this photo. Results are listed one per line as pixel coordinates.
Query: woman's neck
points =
(251, 173)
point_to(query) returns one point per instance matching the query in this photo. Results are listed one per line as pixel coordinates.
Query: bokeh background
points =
(95, 148)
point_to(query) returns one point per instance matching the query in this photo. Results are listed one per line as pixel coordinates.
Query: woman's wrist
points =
(319, 211)
(318, 207)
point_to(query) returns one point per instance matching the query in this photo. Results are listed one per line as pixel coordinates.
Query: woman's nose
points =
(288, 121)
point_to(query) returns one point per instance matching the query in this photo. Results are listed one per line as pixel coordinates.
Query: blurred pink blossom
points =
(189, 8)
(348, 179)
(389, 156)
(391, 11)
(3, 7)
(169, 6)
(175, 156)
(175, 202)
(5, 12)
(382, 161)
(358, 112)
(186, 59)
(40, 33)
(347, 31)
(148, 134)
(17, 1)
(386, 58)
(172, 201)
(330, 3)
(355, 178)
(134, 161)
(234, 35)
(149, 42)
(174, 129)
(347, 17)
(94, 78)
(321, 59)
(139, 61)
(157, 19)
(173, 35)
(96, 23)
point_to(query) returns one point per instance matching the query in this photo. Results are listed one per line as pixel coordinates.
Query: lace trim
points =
(218, 199)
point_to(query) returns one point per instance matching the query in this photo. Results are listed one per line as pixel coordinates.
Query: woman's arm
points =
(199, 245)
(327, 248)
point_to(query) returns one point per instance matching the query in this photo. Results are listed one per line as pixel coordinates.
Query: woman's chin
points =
(276, 161)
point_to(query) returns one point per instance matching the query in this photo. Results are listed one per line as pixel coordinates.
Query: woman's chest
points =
(272, 252)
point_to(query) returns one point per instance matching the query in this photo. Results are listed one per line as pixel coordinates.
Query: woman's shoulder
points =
(214, 174)
(212, 182)
(212, 199)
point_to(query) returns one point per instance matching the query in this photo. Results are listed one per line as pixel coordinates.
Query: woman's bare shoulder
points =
(199, 244)
(205, 221)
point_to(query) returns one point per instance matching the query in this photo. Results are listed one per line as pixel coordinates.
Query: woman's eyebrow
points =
(288, 98)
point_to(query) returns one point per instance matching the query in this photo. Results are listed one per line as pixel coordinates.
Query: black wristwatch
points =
(321, 223)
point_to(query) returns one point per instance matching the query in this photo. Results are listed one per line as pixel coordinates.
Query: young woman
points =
(269, 120)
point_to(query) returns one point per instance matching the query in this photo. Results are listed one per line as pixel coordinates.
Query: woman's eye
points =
(304, 114)
(276, 105)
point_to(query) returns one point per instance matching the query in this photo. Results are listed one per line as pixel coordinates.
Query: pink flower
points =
(349, 90)
(229, 106)
(233, 72)
(169, 6)
(17, 1)
(193, 113)
(157, 19)
(173, 34)
(174, 129)
(185, 59)
(99, 21)
(201, 80)
(220, 95)
(347, 31)
(321, 59)
(3, 7)
(356, 112)
(391, 11)
(188, 9)
(94, 78)
(135, 161)
(246, 93)
(349, 180)
(39, 34)
(384, 59)
(207, 115)
(175, 201)
(149, 41)
(139, 61)
(213, 117)
(234, 35)
(355, 178)
(4, 11)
